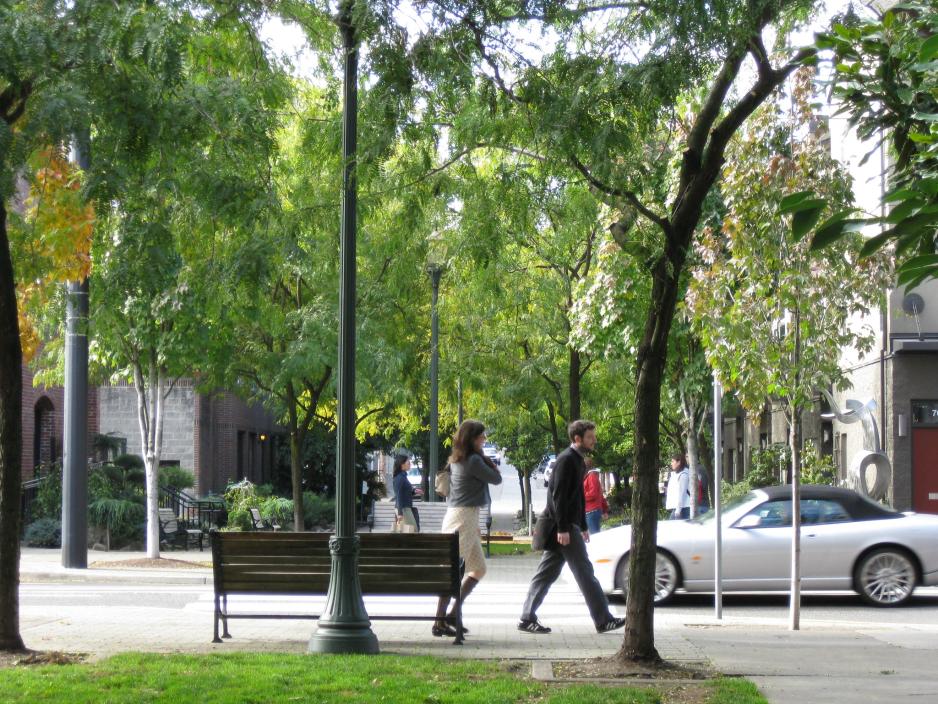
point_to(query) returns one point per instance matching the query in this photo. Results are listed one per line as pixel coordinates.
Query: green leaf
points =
(874, 244)
(804, 220)
(929, 49)
(925, 66)
(916, 276)
(899, 194)
(791, 202)
(925, 116)
(834, 228)
(922, 260)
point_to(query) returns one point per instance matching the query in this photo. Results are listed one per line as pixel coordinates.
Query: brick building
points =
(217, 436)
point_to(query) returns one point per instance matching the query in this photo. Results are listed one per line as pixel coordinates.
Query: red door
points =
(925, 470)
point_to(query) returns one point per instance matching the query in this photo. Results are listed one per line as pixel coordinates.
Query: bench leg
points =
(224, 617)
(459, 629)
(216, 639)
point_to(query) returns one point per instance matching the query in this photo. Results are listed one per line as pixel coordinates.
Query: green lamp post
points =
(344, 626)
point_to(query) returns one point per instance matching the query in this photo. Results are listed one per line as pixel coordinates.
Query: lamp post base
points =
(344, 626)
(339, 641)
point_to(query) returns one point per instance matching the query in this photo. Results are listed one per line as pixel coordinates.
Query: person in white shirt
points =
(678, 498)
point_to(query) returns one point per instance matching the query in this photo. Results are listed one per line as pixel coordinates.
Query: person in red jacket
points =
(596, 506)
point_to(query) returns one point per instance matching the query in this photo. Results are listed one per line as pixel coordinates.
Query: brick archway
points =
(44, 437)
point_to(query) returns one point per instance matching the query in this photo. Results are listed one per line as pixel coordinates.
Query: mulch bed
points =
(615, 669)
(28, 658)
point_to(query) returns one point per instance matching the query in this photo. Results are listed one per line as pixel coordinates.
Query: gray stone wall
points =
(118, 416)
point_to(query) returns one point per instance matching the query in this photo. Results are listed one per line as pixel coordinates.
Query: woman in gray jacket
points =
(471, 472)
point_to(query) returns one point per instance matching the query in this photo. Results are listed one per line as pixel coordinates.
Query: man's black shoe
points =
(534, 626)
(611, 625)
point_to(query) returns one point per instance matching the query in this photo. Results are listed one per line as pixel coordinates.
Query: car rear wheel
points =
(885, 577)
(666, 577)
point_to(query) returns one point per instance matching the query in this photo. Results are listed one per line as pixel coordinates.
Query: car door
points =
(829, 539)
(757, 549)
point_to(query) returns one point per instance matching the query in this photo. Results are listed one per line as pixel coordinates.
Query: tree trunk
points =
(11, 398)
(296, 459)
(689, 419)
(528, 504)
(296, 479)
(639, 638)
(693, 455)
(574, 384)
(795, 445)
(150, 419)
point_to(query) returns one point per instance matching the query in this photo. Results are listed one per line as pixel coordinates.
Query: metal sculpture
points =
(870, 471)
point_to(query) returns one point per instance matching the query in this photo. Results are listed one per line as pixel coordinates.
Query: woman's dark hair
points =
(464, 443)
(679, 457)
(399, 460)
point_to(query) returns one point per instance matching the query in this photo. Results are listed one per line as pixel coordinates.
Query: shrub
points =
(730, 492)
(48, 503)
(317, 510)
(44, 533)
(276, 509)
(176, 477)
(764, 470)
(817, 468)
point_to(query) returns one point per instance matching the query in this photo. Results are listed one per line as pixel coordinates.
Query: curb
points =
(137, 577)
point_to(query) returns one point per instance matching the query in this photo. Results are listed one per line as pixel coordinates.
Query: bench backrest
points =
(384, 516)
(168, 521)
(301, 563)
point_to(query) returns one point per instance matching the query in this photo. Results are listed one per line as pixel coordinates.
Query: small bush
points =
(176, 477)
(816, 468)
(48, 503)
(766, 466)
(44, 533)
(317, 510)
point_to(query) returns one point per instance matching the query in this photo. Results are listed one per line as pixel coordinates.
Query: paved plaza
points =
(844, 652)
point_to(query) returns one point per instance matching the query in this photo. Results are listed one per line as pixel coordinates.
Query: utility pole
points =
(344, 626)
(435, 271)
(75, 441)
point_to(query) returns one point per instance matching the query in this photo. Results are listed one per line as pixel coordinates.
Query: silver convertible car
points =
(847, 542)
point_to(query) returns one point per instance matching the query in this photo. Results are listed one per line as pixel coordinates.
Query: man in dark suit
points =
(561, 533)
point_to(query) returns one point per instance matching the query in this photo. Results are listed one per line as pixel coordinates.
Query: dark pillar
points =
(75, 441)
(344, 626)
(435, 272)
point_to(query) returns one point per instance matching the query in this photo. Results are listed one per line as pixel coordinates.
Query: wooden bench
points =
(383, 516)
(300, 563)
(174, 532)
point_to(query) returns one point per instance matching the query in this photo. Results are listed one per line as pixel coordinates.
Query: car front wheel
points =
(666, 577)
(885, 577)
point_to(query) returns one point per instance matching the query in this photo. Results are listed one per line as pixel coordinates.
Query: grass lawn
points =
(252, 677)
(510, 548)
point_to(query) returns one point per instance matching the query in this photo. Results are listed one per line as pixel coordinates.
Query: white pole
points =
(718, 513)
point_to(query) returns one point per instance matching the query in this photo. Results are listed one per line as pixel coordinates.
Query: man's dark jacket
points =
(566, 505)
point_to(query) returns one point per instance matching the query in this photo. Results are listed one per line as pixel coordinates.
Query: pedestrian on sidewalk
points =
(408, 519)
(561, 533)
(471, 473)
(679, 465)
(597, 508)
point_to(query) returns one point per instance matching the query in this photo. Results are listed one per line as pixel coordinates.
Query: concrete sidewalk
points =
(101, 611)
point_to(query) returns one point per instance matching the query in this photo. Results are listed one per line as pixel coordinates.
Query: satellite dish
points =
(913, 304)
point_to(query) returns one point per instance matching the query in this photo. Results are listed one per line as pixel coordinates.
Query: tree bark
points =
(296, 459)
(11, 398)
(574, 384)
(149, 390)
(639, 639)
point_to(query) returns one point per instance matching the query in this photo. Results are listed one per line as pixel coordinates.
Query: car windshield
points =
(727, 506)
